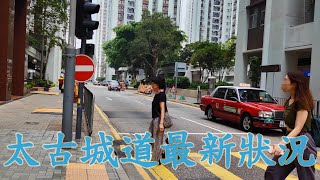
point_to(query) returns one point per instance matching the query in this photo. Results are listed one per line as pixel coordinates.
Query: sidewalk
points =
(41, 127)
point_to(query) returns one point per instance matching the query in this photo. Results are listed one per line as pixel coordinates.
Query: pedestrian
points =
(298, 109)
(159, 107)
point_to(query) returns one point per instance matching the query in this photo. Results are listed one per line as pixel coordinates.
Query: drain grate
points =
(32, 123)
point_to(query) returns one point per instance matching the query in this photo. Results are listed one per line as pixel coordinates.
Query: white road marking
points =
(204, 125)
(109, 98)
(84, 68)
(139, 102)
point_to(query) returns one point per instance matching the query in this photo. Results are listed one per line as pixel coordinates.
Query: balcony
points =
(299, 37)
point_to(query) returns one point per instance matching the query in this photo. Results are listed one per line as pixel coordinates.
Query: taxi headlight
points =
(266, 114)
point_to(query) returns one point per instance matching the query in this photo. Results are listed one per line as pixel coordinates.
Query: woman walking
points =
(298, 109)
(159, 107)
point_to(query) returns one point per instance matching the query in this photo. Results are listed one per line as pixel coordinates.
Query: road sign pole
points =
(176, 83)
(80, 93)
(68, 95)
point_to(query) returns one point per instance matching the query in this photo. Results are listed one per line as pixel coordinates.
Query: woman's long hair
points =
(303, 94)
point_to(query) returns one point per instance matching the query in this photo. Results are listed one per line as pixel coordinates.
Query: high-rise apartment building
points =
(119, 12)
(280, 33)
(209, 20)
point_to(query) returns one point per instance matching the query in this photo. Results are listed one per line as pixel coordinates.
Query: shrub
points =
(182, 82)
(203, 86)
(39, 83)
(135, 84)
(221, 83)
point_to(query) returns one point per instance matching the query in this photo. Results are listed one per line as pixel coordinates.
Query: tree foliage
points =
(100, 79)
(147, 44)
(46, 19)
(255, 71)
(212, 57)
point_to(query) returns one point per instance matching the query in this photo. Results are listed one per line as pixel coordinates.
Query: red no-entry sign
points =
(84, 68)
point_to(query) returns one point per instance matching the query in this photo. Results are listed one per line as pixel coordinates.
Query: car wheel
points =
(210, 114)
(247, 124)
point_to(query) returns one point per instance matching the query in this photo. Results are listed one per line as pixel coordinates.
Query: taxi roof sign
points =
(244, 85)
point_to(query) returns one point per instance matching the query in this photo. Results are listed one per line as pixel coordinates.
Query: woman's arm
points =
(301, 119)
(162, 109)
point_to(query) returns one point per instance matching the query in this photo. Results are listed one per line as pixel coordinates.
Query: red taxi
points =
(250, 107)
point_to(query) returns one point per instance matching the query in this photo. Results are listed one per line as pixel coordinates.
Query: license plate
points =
(282, 124)
(268, 121)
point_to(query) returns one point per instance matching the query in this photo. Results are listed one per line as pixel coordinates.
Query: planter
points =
(190, 93)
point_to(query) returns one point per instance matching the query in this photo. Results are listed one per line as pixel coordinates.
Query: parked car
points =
(105, 83)
(96, 83)
(114, 85)
(250, 107)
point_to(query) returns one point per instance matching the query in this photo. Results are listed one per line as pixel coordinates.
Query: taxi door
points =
(231, 106)
(217, 102)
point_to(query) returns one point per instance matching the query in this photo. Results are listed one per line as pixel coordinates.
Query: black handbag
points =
(167, 121)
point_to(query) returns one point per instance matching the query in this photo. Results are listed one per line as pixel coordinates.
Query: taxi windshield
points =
(255, 95)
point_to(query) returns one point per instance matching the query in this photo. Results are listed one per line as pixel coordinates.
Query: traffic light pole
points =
(68, 95)
(80, 93)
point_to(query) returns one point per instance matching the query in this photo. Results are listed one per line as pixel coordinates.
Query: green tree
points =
(205, 55)
(117, 50)
(255, 70)
(47, 18)
(227, 62)
(148, 44)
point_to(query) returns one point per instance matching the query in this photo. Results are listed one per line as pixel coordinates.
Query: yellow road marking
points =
(79, 171)
(162, 172)
(106, 119)
(46, 110)
(45, 92)
(262, 165)
(116, 135)
(215, 169)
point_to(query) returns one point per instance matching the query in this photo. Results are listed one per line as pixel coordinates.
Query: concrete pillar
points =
(274, 46)
(18, 68)
(315, 59)
(241, 63)
(6, 48)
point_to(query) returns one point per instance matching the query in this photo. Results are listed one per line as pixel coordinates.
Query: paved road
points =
(131, 113)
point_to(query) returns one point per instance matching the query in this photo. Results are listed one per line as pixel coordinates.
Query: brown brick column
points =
(6, 48)
(19, 48)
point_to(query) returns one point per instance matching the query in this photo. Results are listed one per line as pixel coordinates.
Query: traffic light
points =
(84, 23)
(90, 49)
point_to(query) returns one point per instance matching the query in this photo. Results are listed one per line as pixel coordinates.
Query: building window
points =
(253, 18)
(263, 13)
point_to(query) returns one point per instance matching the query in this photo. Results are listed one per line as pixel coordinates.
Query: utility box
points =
(212, 84)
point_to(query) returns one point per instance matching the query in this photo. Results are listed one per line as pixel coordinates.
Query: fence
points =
(88, 103)
(316, 110)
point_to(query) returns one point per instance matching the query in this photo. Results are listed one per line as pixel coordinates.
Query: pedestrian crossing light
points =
(84, 23)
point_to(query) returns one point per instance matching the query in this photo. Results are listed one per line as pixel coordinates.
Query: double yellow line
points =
(159, 172)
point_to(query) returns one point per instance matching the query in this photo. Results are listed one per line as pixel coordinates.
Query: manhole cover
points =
(32, 123)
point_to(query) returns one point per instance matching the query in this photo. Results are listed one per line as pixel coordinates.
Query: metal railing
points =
(316, 110)
(88, 106)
